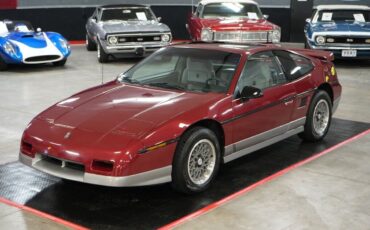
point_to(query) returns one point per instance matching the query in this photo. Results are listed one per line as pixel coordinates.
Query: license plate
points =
(349, 53)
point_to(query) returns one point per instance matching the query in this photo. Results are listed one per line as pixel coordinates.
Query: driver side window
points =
(261, 71)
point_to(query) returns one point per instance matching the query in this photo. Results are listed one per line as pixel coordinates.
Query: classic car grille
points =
(348, 40)
(146, 38)
(65, 164)
(42, 58)
(242, 36)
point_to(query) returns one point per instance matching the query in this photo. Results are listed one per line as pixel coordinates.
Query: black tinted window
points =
(294, 65)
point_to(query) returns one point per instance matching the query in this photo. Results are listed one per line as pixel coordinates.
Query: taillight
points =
(103, 166)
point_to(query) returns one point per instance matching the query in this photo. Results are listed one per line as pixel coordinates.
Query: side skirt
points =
(294, 127)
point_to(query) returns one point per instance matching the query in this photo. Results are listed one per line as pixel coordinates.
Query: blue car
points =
(20, 44)
(341, 29)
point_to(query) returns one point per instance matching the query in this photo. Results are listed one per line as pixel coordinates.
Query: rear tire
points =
(102, 55)
(3, 65)
(90, 44)
(196, 161)
(318, 118)
(60, 63)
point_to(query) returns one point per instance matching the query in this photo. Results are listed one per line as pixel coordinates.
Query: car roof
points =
(342, 7)
(205, 2)
(249, 48)
(121, 5)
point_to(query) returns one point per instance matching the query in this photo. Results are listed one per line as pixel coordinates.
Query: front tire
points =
(3, 65)
(60, 63)
(102, 55)
(196, 161)
(90, 44)
(318, 118)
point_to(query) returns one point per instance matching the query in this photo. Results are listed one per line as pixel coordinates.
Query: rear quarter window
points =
(294, 66)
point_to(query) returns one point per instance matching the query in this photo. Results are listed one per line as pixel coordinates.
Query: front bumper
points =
(135, 49)
(156, 176)
(363, 52)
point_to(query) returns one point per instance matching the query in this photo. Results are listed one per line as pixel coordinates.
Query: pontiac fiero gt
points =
(182, 112)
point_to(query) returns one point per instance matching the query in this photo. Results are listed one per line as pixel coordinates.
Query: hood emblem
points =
(68, 135)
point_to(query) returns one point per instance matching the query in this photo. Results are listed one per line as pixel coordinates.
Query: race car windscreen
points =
(127, 14)
(344, 16)
(19, 26)
(185, 69)
(231, 10)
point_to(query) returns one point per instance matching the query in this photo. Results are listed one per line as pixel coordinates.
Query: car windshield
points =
(18, 26)
(344, 15)
(127, 14)
(185, 69)
(231, 10)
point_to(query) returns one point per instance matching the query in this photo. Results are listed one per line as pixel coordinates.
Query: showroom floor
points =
(331, 192)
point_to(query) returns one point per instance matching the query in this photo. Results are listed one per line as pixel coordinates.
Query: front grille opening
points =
(104, 166)
(42, 58)
(63, 164)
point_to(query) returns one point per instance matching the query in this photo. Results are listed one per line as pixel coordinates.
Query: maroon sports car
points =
(182, 112)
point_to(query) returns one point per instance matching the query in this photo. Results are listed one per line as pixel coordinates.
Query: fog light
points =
(331, 40)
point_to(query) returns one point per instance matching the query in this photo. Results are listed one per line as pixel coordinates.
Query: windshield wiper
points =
(130, 80)
(166, 85)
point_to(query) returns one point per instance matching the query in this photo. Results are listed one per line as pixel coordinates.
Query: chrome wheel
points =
(321, 116)
(201, 161)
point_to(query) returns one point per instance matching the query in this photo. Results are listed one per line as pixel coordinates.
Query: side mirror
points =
(38, 30)
(159, 19)
(265, 16)
(250, 92)
(308, 20)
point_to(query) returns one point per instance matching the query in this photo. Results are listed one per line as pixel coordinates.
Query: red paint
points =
(244, 191)
(42, 214)
(8, 4)
(196, 24)
(114, 121)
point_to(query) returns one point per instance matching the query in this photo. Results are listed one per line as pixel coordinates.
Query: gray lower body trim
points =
(264, 139)
(156, 176)
(335, 104)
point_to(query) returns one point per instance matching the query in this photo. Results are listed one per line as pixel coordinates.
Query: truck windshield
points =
(185, 69)
(127, 14)
(231, 10)
(344, 15)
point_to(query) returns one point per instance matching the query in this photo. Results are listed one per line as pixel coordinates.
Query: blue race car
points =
(20, 44)
(341, 29)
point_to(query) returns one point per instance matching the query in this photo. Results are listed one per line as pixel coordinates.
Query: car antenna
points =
(192, 6)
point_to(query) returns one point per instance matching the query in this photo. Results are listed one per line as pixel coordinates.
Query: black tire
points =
(311, 133)
(60, 63)
(306, 46)
(3, 65)
(90, 44)
(181, 179)
(102, 55)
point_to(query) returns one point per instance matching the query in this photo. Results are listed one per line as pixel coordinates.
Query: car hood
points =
(30, 39)
(114, 112)
(341, 27)
(133, 26)
(237, 24)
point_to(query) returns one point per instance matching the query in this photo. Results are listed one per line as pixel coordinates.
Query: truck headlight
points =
(206, 35)
(9, 48)
(276, 36)
(165, 38)
(112, 40)
(320, 40)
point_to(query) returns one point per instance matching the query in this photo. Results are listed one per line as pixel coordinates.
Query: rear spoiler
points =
(319, 54)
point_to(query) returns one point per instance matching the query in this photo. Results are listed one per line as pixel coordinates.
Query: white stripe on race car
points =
(28, 51)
